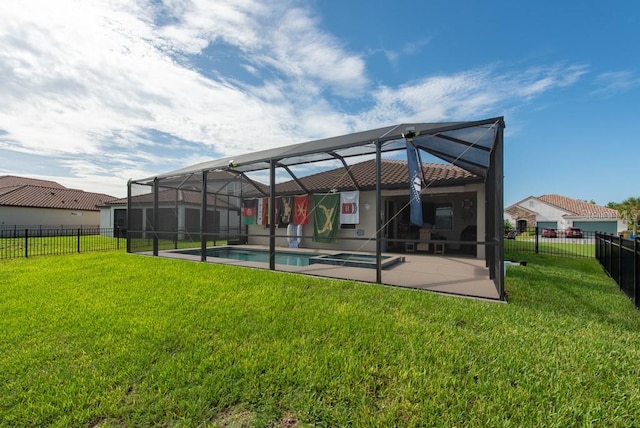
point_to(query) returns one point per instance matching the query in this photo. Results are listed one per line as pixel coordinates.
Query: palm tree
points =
(629, 210)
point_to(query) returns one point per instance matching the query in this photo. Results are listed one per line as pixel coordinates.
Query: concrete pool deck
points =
(458, 275)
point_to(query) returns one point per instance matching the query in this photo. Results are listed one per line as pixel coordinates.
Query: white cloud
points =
(93, 83)
(195, 24)
(466, 95)
(75, 73)
(613, 82)
(537, 80)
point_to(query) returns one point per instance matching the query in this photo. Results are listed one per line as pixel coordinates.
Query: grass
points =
(564, 247)
(111, 339)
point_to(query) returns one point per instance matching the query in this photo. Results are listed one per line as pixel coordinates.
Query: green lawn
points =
(561, 247)
(112, 339)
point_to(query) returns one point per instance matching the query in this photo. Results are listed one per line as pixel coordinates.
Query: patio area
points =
(456, 275)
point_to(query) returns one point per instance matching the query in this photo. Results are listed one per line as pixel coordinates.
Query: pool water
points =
(298, 259)
(356, 260)
(282, 258)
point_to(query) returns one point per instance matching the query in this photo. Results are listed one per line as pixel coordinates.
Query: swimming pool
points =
(356, 260)
(297, 258)
(253, 255)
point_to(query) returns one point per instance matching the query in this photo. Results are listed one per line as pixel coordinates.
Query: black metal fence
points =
(551, 241)
(29, 242)
(143, 240)
(620, 258)
(17, 230)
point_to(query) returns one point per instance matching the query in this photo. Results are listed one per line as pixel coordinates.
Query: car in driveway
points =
(548, 233)
(573, 232)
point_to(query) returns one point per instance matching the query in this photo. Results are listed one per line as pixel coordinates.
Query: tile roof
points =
(164, 196)
(52, 197)
(14, 181)
(4, 190)
(518, 211)
(578, 207)
(395, 174)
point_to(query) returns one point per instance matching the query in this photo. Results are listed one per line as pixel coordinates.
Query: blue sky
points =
(94, 93)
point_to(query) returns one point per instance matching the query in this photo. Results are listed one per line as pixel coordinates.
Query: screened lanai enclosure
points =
(416, 205)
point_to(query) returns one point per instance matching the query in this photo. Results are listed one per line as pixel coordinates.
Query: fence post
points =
(26, 243)
(636, 286)
(79, 239)
(620, 260)
(609, 255)
(536, 244)
(117, 238)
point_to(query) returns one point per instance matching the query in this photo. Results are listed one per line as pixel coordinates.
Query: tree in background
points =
(507, 226)
(629, 210)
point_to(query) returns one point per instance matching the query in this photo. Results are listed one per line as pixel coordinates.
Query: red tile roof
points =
(4, 190)
(578, 207)
(164, 196)
(14, 181)
(517, 211)
(395, 174)
(53, 197)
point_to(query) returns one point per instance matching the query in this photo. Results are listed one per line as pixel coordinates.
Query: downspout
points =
(203, 218)
(500, 211)
(378, 216)
(272, 214)
(128, 221)
(155, 216)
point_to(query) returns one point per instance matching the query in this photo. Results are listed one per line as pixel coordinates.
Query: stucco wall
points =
(365, 232)
(546, 212)
(367, 227)
(47, 217)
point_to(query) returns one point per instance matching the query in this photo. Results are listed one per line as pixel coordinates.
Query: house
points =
(452, 208)
(180, 215)
(560, 212)
(178, 211)
(461, 205)
(27, 203)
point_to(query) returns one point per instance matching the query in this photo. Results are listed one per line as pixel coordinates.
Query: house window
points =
(444, 217)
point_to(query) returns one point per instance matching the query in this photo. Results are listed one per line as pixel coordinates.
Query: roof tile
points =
(578, 207)
(395, 174)
(14, 181)
(169, 195)
(53, 197)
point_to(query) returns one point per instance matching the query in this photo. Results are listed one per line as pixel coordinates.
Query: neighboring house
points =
(181, 214)
(29, 203)
(453, 207)
(560, 212)
(179, 210)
